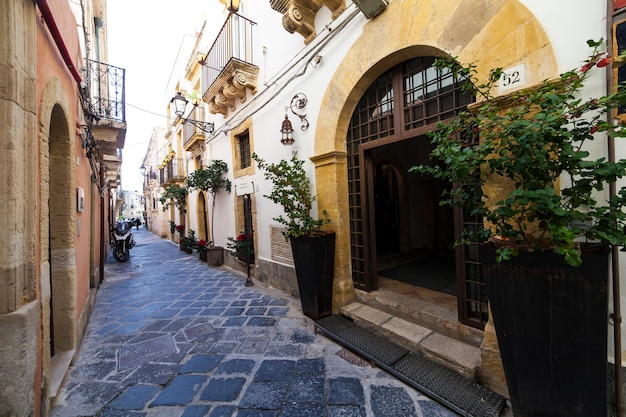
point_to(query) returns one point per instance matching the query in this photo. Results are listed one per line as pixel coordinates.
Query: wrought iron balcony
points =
(173, 172)
(228, 72)
(107, 91)
(105, 85)
(193, 135)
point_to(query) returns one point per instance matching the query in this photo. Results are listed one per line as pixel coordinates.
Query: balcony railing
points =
(191, 132)
(228, 69)
(174, 170)
(107, 87)
(233, 41)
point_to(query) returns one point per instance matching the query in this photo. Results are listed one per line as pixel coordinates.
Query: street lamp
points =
(180, 104)
(142, 169)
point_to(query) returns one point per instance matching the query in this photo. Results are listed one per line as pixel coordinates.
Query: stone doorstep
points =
(59, 365)
(437, 318)
(453, 354)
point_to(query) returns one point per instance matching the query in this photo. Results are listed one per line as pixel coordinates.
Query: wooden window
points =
(243, 141)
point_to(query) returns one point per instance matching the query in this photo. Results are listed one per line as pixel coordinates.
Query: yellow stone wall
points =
(497, 33)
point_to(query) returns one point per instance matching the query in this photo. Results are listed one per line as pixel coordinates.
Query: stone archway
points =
(57, 222)
(502, 33)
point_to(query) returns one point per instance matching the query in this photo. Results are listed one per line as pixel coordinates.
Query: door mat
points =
(441, 384)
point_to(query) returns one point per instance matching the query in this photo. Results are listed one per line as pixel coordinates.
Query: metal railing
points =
(233, 41)
(107, 91)
(189, 130)
(174, 170)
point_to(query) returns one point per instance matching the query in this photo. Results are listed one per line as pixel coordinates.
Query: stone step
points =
(438, 318)
(456, 355)
(59, 365)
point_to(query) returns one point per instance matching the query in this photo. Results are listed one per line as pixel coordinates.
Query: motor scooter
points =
(122, 241)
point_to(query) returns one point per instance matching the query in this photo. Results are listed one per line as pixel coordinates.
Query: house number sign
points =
(512, 78)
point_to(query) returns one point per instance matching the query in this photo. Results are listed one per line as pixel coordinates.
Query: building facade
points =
(64, 130)
(356, 82)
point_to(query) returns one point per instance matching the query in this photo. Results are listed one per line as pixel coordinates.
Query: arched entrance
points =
(504, 34)
(201, 215)
(398, 229)
(61, 237)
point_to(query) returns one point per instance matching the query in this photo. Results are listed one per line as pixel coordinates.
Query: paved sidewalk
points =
(171, 337)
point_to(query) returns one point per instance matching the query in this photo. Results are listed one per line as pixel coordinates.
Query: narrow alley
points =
(171, 336)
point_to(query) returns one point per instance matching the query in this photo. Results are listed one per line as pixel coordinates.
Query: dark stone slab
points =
(180, 392)
(235, 321)
(310, 367)
(135, 397)
(262, 321)
(264, 395)
(236, 366)
(346, 391)
(303, 410)
(223, 389)
(256, 311)
(275, 370)
(153, 373)
(201, 363)
(306, 389)
(278, 312)
(392, 402)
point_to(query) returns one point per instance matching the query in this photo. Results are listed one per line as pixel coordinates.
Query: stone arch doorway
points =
(398, 230)
(503, 33)
(202, 215)
(61, 238)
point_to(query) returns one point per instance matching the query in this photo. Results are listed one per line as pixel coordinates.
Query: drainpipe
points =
(58, 38)
(617, 315)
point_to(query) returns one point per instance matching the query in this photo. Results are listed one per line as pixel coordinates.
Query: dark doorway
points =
(398, 229)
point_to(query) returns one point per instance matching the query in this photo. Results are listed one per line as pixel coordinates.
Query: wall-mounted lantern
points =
(298, 102)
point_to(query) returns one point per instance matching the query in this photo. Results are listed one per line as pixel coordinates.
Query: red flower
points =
(604, 62)
(243, 237)
(586, 67)
(202, 242)
(180, 227)
(594, 129)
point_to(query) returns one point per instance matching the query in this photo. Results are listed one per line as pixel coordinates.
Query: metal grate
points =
(455, 392)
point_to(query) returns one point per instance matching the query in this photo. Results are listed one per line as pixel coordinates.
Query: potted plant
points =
(242, 247)
(313, 249)
(189, 242)
(548, 296)
(211, 179)
(201, 247)
(175, 195)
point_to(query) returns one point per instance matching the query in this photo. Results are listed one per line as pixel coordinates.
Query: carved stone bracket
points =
(233, 83)
(299, 15)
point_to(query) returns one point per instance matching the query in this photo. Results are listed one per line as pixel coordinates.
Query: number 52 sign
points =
(514, 77)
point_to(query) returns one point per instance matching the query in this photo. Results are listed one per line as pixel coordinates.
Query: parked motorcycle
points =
(122, 241)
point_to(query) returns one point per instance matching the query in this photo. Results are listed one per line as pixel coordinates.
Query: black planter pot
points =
(242, 255)
(202, 255)
(551, 324)
(314, 259)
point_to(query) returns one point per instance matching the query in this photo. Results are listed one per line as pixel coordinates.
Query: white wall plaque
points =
(513, 78)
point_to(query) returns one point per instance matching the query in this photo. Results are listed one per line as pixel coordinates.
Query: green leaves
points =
(292, 190)
(174, 195)
(535, 139)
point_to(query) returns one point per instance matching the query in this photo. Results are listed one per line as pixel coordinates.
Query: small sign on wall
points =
(512, 78)
(244, 186)
(80, 199)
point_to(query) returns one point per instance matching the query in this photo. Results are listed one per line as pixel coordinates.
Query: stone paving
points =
(171, 336)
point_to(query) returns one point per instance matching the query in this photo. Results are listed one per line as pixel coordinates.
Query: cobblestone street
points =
(171, 336)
